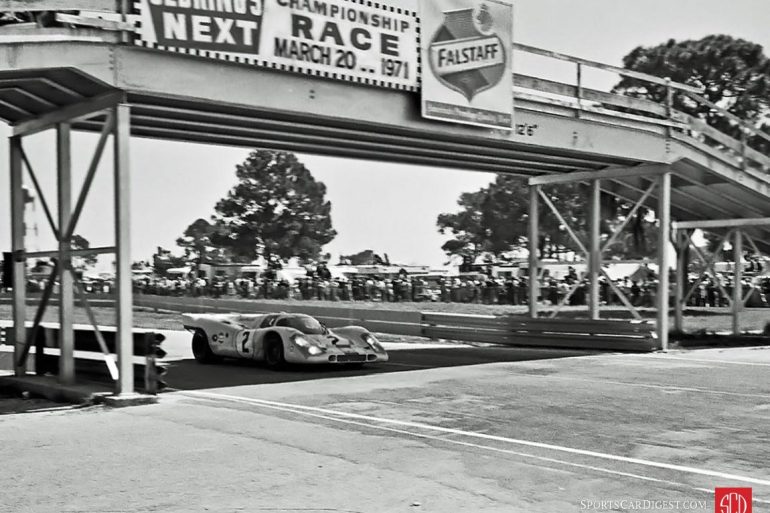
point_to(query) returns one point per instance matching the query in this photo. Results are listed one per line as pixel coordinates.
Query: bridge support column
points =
(124, 299)
(534, 285)
(664, 235)
(737, 281)
(682, 239)
(595, 253)
(17, 249)
(66, 290)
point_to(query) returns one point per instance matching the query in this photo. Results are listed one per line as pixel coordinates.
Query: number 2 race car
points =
(280, 338)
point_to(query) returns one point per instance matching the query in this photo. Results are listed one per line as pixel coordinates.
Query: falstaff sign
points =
(356, 40)
(467, 74)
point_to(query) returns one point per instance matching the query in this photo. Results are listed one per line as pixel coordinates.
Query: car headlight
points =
(315, 350)
(301, 341)
(373, 342)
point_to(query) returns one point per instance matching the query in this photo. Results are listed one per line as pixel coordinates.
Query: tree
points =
(734, 74)
(277, 208)
(495, 220)
(86, 259)
(197, 243)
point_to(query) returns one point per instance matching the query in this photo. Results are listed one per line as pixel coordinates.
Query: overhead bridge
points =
(91, 73)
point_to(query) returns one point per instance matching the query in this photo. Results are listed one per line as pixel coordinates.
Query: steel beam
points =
(737, 282)
(534, 289)
(66, 292)
(647, 170)
(664, 218)
(19, 265)
(123, 305)
(68, 114)
(722, 223)
(594, 254)
(74, 252)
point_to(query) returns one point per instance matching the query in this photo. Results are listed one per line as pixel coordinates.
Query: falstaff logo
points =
(465, 53)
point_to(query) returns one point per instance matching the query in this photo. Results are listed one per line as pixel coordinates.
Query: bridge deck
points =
(186, 98)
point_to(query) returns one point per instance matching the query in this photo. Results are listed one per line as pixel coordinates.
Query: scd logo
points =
(732, 500)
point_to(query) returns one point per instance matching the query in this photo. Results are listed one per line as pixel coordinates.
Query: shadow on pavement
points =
(187, 374)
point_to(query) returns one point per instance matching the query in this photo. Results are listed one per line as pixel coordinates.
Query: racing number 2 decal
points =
(244, 340)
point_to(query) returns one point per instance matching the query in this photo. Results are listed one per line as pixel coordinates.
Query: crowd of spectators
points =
(710, 291)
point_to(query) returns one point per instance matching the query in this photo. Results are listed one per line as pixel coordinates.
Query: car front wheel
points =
(274, 358)
(201, 349)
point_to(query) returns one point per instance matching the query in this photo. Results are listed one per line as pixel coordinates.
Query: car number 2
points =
(244, 341)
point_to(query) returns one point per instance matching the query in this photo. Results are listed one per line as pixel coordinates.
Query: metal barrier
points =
(508, 330)
(98, 363)
(524, 331)
(382, 321)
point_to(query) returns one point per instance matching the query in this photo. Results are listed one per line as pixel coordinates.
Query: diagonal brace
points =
(108, 357)
(630, 215)
(97, 156)
(39, 190)
(563, 221)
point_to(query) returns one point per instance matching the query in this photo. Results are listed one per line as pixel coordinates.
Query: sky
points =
(389, 208)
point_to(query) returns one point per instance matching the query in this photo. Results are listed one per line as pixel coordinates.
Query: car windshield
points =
(306, 325)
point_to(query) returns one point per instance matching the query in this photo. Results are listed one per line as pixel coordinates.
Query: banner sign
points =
(355, 40)
(467, 74)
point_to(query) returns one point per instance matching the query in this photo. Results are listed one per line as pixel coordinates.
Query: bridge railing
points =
(583, 99)
(116, 16)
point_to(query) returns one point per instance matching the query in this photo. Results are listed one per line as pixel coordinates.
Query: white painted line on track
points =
(645, 385)
(297, 408)
(706, 360)
(440, 439)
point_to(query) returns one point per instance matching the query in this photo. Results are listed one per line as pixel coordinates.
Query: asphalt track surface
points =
(444, 429)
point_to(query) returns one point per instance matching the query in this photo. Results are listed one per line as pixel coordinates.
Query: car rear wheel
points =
(201, 349)
(274, 358)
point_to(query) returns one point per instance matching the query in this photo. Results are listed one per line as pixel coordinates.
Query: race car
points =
(280, 338)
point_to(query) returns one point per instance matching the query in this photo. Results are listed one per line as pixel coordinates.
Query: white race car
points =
(279, 338)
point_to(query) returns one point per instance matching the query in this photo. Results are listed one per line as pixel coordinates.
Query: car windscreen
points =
(306, 325)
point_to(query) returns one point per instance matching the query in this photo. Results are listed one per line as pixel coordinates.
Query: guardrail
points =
(582, 99)
(564, 333)
(382, 321)
(613, 335)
